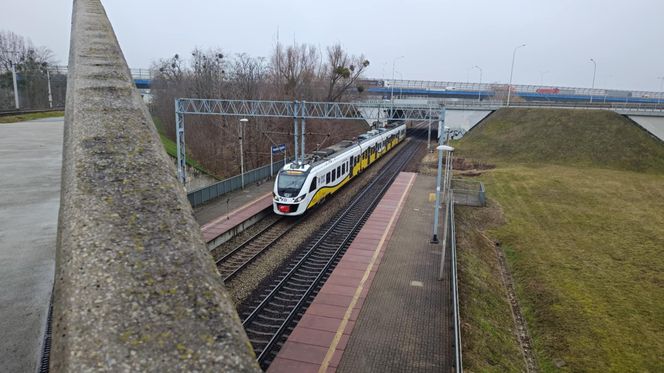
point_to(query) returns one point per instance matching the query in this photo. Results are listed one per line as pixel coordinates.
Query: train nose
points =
(283, 208)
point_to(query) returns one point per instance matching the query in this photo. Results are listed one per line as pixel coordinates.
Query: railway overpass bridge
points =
(133, 282)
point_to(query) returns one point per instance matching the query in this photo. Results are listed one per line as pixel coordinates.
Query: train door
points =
(351, 168)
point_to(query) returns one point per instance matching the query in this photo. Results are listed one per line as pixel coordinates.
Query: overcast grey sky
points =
(440, 40)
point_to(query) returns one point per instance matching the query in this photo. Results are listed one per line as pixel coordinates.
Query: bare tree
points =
(16, 49)
(31, 63)
(293, 72)
(342, 71)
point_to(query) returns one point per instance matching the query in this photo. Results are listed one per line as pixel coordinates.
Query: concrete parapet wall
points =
(136, 289)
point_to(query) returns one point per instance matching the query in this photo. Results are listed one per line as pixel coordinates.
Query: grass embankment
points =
(172, 150)
(587, 138)
(30, 116)
(583, 197)
(488, 331)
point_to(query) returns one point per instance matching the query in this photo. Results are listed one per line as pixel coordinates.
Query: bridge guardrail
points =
(531, 88)
(135, 286)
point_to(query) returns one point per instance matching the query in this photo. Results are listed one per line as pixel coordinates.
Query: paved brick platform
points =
(236, 217)
(323, 333)
(405, 322)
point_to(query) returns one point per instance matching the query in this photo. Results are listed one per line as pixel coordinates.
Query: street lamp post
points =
(661, 86)
(243, 121)
(509, 87)
(394, 61)
(479, 87)
(594, 72)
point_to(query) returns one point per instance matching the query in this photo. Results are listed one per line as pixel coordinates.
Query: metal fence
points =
(451, 238)
(203, 195)
(37, 90)
(469, 192)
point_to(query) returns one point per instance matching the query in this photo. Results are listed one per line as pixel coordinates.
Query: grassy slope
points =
(30, 116)
(584, 236)
(588, 138)
(584, 247)
(489, 341)
(171, 148)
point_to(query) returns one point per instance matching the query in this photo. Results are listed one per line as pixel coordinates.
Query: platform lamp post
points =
(593, 86)
(446, 197)
(243, 121)
(509, 87)
(479, 87)
(441, 179)
(441, 147)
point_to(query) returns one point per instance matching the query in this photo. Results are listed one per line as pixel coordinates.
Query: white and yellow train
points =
(301, 186)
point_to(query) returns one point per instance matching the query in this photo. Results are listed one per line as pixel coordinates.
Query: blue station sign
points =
(278, 149)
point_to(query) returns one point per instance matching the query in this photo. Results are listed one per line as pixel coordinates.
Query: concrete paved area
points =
(30, 162)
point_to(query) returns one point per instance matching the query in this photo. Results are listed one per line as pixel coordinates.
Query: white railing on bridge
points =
(493, 87)
(143, 74)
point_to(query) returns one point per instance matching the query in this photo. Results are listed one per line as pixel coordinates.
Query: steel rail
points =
(238, 251)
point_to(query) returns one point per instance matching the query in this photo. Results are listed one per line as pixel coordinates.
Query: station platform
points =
(382, 309)
(230, 214)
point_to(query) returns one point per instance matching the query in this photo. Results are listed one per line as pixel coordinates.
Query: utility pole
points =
(295, 134)
(243, 121)
(50, 96)
(303, 110)
(15, 86)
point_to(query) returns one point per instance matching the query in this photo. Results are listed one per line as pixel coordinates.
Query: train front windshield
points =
(289, 184)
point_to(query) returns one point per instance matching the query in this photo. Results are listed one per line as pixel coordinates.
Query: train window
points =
(313, 185)
(334, 174)
(343, 168)
(327, 178)
(338, 170)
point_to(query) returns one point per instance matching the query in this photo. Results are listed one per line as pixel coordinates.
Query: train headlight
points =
(300, 198)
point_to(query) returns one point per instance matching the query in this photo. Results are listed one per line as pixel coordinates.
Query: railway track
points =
(283, 302)
(237, 259)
